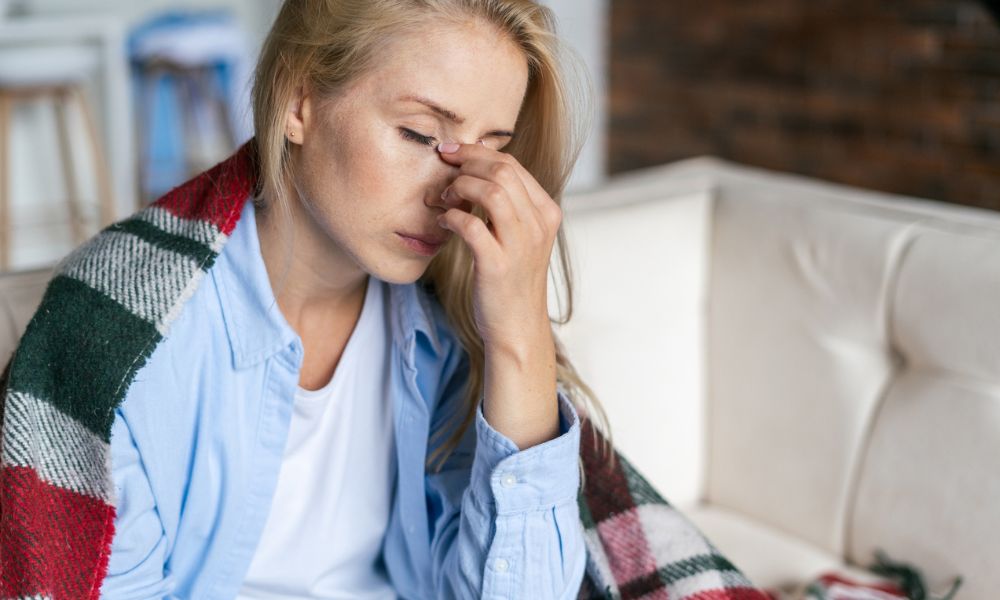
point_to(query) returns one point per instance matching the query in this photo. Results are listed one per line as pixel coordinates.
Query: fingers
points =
(505, 175)
(494, 199)
(486, 250)
(495, 181)
(477, 152)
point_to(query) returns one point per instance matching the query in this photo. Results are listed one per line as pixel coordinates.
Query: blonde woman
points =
(363, 397)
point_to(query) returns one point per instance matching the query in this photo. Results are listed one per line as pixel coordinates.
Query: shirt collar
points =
(254, 323)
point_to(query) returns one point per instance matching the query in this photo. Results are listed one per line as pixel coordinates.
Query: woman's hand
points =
(511, 257)
(511, 252)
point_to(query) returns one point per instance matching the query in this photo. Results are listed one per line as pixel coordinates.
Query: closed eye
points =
(416, 137)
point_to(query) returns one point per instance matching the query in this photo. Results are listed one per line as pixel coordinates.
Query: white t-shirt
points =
(323, 536)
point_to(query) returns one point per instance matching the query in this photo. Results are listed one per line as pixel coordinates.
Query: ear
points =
(297, 116)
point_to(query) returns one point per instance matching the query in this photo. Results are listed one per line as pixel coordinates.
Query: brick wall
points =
(901, 96)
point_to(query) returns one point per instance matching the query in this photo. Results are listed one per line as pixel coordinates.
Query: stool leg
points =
(6, 230)
(192, 135)
(146, 107)
(215, 91)
(69, 173)
(105, 200)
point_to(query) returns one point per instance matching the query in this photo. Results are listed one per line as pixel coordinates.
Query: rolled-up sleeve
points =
(518, 480)
(518, 532)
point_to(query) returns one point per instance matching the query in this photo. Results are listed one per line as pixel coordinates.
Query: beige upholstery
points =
(810, 371)
(20, 294)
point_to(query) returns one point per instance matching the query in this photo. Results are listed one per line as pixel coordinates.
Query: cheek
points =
(393, 170)
(370, 177)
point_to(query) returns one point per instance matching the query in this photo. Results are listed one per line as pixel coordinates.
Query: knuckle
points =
(495, 194)
(501, 170)
(555, 215)
(478, 229)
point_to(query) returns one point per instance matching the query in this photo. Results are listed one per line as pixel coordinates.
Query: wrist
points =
(521, 399)
(523, 349)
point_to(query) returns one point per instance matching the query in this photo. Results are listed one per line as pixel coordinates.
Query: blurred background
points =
(106, 104)
(898, 96)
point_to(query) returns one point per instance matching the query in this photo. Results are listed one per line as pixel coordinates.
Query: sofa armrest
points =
(638, 257)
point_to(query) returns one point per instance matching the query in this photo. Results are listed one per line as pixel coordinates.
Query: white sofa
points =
(808, 370)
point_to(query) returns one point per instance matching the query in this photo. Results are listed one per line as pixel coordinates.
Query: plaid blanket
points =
(885, 579)
(108, 305)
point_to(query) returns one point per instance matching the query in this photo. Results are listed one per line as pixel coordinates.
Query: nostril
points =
(437, 202)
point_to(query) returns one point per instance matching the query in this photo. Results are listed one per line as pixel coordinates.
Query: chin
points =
(401, 272)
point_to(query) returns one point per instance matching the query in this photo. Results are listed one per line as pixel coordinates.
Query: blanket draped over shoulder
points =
(107, 306)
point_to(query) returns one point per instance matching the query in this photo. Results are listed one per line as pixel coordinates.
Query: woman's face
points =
(365, 162)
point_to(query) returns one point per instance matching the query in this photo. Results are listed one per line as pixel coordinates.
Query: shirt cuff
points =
(541, 476)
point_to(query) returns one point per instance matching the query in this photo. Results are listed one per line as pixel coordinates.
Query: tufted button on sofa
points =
(809, 371)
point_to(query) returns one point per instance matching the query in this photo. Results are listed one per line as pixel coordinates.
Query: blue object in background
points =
(200, 55)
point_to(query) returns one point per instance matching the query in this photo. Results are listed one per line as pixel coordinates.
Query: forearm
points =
(520, 388)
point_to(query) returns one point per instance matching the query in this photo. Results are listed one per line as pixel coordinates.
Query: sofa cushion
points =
(798, 353)
(929, 489)
(768, 556)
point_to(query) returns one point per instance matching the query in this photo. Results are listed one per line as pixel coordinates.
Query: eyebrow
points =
(450, 115)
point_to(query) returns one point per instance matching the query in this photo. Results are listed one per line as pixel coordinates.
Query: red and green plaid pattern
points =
(109, 304)
(639, 546)
(831, 586)
(106, 308)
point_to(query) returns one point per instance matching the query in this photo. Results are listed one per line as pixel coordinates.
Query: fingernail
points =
(444, 194)
(447, 147)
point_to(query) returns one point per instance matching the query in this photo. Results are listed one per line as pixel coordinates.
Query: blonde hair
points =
(328, 44)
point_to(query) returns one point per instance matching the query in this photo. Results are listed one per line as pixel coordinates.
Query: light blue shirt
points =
(197, 444)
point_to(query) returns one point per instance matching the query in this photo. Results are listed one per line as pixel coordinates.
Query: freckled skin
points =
(359, 181)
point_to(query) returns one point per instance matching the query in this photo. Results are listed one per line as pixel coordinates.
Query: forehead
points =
(471, 71)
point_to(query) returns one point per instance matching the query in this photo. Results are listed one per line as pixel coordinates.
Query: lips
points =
(433, 240)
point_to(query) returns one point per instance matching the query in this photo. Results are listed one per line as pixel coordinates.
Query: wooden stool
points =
(183, 57)
(53, 74)
(193, 82)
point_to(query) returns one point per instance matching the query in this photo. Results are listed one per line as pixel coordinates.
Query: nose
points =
(443, 178)
(434, 199)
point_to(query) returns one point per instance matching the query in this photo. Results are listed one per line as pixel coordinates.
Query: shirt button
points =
(508, 480)
(501, 565)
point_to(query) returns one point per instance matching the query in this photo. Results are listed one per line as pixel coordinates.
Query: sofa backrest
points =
(851, 344)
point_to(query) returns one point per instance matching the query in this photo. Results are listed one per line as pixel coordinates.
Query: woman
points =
(264, 385)
(363, 397)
